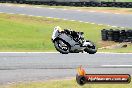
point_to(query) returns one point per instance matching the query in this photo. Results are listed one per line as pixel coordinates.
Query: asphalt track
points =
(25, 67)
(19, 67)
(121, 20)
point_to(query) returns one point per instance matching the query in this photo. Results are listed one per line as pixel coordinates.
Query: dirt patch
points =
(106, 43)
(118, 11)
(113, 45)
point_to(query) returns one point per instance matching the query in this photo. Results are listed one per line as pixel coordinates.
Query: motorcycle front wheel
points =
(92, 49)
(62, 46)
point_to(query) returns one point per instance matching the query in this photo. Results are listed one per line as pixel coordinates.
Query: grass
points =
(65, 84)
(26, 33)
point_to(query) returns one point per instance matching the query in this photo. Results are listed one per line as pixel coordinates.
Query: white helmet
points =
(58, 28)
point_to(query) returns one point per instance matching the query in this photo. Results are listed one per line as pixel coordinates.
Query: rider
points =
(67, 31)
(56, 31)
(59, 30)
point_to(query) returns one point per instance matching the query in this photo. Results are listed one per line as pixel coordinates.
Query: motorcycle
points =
(68, 41)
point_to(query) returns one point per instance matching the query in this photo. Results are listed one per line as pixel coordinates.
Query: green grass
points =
(65, 84)
(26, 33)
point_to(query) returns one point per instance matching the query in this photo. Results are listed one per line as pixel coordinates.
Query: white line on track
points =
(9, 5)
(100, 24)
(122, 27)
(81, 21)
(113, 53)
(64, 9)
(22, 6)
(78, 10)
(30, 15)
(86, 22)
(58, 52)
(60, 9)
(65, 19)
(39, 16)
(92, 23)
(1, 12)
(51, 8)
(106, 12)
(60, 18)
(11, 13)
(38, 7)
(116, 65)
(92, 11)
(113, 26)
(57, 18)
(49, 17)
(28, 52)
(72, 20)
(116, 13)
(22, 14)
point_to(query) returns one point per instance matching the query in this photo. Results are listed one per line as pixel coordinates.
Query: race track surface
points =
(121, 20)
(25, 67)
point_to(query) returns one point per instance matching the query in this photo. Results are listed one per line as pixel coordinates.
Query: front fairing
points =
(55, 34)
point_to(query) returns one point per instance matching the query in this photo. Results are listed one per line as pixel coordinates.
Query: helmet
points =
(58, 28)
